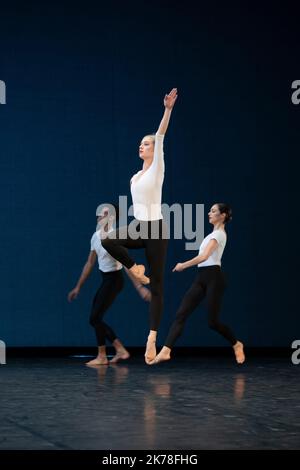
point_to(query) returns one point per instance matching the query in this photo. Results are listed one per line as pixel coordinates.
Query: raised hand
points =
(169, 100)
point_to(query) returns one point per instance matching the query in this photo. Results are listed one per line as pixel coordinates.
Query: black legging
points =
(153, 237)
(209, 283)
(112, 284)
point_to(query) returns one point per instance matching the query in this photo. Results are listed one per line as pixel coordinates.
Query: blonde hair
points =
(152, 136)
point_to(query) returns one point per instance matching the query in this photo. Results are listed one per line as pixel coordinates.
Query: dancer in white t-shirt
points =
(146, 190)
(209, 283)
(112, 284)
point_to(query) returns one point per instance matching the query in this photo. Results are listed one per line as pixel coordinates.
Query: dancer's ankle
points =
(101, 356)
(166, 350)
(133, 267)
(119, 347)
(152, 336)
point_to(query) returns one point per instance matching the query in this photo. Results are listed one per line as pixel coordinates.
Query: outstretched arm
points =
(158, 165)
(87, 269)
(212, 245)
(169, 101)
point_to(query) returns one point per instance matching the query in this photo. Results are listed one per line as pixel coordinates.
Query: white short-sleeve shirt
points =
(215, 258)
(106, 262)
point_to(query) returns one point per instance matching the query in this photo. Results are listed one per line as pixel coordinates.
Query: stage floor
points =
(187, 403)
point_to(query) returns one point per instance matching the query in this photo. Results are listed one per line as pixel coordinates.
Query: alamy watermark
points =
(2, 352)
(2, 92)
(179, 222)
(296, 94)
(296, 354)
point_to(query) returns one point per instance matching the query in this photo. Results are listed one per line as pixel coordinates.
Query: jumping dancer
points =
(146, 190)
(209, 282)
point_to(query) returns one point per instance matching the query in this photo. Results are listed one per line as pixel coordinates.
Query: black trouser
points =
(209, 283)
(152, 237)
(112, 284)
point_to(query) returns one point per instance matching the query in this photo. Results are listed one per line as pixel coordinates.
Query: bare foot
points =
(138, 271)
(122, 354)
(162, 356)
(150, 351)
(98, 361)
(239, 352)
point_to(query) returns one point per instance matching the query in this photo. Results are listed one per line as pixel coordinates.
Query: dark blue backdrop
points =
(85, 82)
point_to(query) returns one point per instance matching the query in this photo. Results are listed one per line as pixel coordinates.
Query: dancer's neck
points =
(146, 165)
(219, 227)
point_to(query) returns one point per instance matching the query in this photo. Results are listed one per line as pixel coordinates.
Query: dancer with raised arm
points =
(146, 190)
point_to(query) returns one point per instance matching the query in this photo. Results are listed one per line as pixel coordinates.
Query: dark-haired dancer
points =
(146, 189)
(112, 284)
(209, 283)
